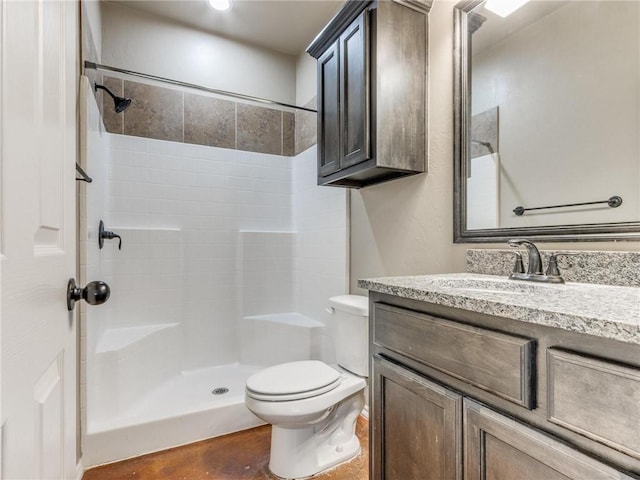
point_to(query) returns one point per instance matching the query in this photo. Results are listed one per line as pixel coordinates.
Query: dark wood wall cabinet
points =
(462, 395)
(372, 92)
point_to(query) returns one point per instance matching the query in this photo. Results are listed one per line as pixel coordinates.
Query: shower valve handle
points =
(110, 236)
(102, 234)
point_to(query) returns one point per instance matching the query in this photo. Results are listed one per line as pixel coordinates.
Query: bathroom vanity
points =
(477, 376)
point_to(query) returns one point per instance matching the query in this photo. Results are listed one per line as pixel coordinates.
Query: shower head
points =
(121, 103)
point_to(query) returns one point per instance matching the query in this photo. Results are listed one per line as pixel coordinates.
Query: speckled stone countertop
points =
(601, 310)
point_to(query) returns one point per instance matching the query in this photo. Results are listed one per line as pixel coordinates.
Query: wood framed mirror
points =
(547, 121)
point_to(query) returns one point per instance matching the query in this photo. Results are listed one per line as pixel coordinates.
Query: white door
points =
(38, 88)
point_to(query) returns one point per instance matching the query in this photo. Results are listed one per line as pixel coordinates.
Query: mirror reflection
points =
(554, 114)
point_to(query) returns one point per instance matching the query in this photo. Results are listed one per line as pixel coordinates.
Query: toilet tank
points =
(351, 317)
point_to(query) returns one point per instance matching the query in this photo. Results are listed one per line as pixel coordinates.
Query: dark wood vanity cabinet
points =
(372, 79)
(419, 426)
(499, 448)
(343, 107)
(329, 112)
(457, 394)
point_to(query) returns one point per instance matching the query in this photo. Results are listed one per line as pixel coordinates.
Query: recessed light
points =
(504, 8)
(220, 4)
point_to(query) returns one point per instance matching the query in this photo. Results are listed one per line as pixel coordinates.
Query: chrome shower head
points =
(120, 103)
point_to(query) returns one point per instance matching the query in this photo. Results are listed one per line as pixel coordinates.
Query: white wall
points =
(145, 43)
(321, 261)
(295, 271)
(209, 235)
(306, 78)
(94, 153)
(568, 91)
(266, 284)
(209, 194)
(94, 17)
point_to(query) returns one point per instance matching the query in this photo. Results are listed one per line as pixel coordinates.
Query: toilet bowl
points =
(313, 407)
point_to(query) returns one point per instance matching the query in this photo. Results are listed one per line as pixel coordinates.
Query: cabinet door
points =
(354, 92)
(329, 111)
(498, 448)
(416, 429)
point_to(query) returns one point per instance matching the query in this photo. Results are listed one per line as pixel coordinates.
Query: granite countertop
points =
(601, 310)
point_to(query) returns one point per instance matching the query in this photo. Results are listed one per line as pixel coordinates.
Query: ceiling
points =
(287, 26)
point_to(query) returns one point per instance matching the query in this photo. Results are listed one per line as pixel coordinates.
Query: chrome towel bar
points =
(613, 202)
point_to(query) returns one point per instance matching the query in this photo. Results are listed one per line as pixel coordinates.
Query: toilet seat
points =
(293, 381)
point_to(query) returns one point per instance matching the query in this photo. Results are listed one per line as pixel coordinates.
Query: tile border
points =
(287, 134)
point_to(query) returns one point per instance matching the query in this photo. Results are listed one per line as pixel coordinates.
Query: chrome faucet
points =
(534, 270)
(535, 262)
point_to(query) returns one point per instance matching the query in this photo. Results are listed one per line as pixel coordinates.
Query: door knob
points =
(95, 293)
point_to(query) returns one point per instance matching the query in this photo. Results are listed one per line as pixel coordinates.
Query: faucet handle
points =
(552, 268)
(102, 234)
(518, 266)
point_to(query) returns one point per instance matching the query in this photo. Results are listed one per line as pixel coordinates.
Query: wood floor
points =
(239, 456)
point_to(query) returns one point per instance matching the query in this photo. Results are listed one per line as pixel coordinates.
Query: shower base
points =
(182, 410)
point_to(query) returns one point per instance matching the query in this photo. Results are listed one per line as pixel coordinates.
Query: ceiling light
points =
(502, 8)
(220, 4)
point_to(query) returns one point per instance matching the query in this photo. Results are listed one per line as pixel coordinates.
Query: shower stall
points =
(229, 251)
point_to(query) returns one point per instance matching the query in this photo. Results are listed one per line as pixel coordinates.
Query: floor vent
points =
(219, 391)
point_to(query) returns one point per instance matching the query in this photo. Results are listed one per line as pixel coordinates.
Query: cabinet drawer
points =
(498, 363)
(595, 398)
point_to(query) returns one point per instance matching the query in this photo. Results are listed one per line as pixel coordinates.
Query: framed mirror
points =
(547, 121)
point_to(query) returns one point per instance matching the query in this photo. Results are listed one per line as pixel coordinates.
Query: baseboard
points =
(365, 412)
(79, 470)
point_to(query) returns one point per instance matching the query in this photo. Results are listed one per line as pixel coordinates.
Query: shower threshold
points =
(182, 410)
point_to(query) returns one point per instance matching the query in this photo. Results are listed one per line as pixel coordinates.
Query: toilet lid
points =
(293, 381)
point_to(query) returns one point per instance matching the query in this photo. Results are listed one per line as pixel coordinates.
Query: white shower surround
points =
(217, 244)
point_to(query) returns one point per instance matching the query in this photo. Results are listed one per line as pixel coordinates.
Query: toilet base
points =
(305, 451)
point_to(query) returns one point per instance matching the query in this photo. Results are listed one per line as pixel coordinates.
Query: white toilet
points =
(313, 407)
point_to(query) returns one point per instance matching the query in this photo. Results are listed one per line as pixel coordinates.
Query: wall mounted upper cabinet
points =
(372, 92)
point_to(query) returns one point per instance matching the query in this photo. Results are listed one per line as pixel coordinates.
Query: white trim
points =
(365, 412)
(2, 44)
(79, 470)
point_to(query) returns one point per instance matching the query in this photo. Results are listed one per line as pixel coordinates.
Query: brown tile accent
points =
(209, 121)
(484, 128)
(259, 129)
(306, 127)
(167, 114)
(113, 122)
(288, 134)
(155, 112)
(239, 456)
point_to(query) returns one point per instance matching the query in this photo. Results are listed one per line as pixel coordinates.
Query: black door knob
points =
(95, 293)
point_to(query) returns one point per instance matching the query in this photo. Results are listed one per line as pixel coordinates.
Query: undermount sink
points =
(488, 285)
(492, 290)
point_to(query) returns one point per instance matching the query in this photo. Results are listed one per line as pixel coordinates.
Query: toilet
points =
(313, 407)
